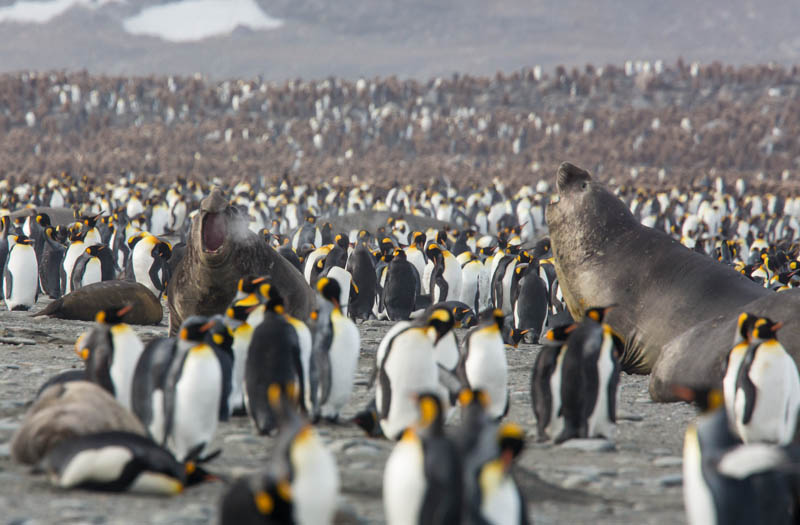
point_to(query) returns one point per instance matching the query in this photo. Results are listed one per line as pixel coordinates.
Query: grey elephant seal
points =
(220, 251)
(84, 303)
(603, 256)
(64, 411)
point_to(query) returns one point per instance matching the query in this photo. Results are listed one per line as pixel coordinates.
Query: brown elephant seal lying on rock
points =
(64, 411)
(220, 251)
(676, 309)
(84, 303)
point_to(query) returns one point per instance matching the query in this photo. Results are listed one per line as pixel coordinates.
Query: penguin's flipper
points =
(744, 383)
(450, 380)
(169, 392)
(386, 388)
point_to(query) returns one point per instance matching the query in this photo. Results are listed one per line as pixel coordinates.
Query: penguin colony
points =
(487, 269)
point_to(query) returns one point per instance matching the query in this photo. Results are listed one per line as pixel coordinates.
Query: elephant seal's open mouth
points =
(214, 230)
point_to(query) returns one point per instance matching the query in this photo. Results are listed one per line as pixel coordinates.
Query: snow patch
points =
(192, 20)
(30, 12)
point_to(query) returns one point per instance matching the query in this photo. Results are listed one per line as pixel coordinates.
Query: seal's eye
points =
(584, 185)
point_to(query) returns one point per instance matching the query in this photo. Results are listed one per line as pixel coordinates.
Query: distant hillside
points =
(413, 38)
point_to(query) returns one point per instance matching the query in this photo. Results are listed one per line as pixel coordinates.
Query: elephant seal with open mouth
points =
(676, 309)
(220, 251)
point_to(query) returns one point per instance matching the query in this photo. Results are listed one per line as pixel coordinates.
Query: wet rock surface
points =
(638, 481)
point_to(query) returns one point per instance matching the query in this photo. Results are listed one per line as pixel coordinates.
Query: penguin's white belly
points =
(426, 278)
(484, 294)
(73, 252)
(100, 465)
(92, 273)
(556, 423)
(241, 342)
(25, 274)
(127, 350)
(158, 220)
(452, 274)
(697, 497)
(775, 393)
(305, 343)
(197, 397)
(411, 369)
(469, 283)
(404, 483)
(315, 487)
(729, 382)
(156, 426)
(502, 506)
(344, 279)
(446, 351)
(344, 360)
(599, 423)
(142, 262)
(487, 369)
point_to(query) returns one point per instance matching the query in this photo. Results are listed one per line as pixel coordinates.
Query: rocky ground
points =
(638, 480)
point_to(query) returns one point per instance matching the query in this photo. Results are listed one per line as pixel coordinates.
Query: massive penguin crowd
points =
(427, 258)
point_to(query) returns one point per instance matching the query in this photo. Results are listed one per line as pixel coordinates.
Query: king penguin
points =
(111, 350)
(767, 391)
(422, 480)
(118, 461)
(193, 392)
(483, 361)
(21, 275)
(546, 382)
(95, 264)
(335, 353)
(406, 366)
(399, 292)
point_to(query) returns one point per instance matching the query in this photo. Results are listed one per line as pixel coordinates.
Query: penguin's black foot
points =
(239, 412)
(333, 420)
(21, 308)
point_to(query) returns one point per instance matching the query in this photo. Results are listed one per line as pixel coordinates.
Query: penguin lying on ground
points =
(119, 461)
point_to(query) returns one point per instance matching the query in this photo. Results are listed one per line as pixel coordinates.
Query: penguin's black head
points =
(430, 411)
(462, 315)
(597, 313)
(270, 295)
(398, 253)
(511, 439)
(706, 399)
(558, 335)
(765, 329)
(133, 239)
(95, 249)
(162, 249)
(478, 397)
(112, 316)
(744, 327)
(493, 318)
(341, 240)
(433, 251)
(249, 283)
(194, 328)
(516, 336)
(273, 501)
(23, 239)
(442, 321)
(367, 420)
(386, 245)
(524, 257)
(220, 335)
(419, 239)
(43, 219)
(330, 290)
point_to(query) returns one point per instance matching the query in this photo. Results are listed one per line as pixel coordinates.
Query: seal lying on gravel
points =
(64, 411)
(220, 251)
(603, 255)
(84, 303)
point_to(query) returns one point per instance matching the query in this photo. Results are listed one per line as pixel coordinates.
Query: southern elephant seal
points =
(220, 251)
(84, 303)
(604, 256)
